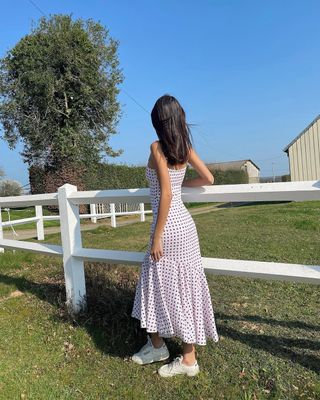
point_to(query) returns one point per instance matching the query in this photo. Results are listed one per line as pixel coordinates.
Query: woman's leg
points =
(189, 353)
(156, 340)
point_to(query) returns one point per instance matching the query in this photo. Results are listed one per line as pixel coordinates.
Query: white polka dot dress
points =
(172, 295)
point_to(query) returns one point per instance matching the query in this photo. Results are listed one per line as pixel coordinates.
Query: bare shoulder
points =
(157, 155)
(154, 145)
(156, 149)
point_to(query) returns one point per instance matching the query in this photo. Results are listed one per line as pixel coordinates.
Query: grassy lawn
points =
(26, 213)
(269, 331)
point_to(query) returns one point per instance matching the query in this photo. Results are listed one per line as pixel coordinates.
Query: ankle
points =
(157, 343)
(189, 362)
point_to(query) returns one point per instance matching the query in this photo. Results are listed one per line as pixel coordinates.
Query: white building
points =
(240, 165)
(304, 153)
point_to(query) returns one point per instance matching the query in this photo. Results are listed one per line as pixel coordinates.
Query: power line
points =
(207, 144)
(132, 98)
(204, 135)
(37, 7)
(271, 158)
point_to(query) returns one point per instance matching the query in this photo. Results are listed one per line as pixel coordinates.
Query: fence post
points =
(40, 228)
(1, 232)
(142, 216)
(93, 211)
(71, 240)
(113, 215)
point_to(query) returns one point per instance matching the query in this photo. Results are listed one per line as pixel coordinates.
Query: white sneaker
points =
(176, 367)
(149, 354)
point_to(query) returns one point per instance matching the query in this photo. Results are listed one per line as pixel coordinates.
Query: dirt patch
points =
(15, 293)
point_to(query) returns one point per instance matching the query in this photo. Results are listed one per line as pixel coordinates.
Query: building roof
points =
(300, 134)
(233, 164)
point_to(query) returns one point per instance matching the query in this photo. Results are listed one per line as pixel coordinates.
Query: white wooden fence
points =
(97, 211)
(112, 210)
(74, 254)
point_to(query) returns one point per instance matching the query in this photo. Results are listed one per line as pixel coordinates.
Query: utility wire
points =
(37, 7)
(132, 98)
(271, 158)
(204, 135)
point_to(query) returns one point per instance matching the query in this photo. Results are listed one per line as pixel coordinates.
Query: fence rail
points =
(74, 254)
(40, 218)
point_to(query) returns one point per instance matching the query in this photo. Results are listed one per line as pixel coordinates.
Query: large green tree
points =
(58, 88)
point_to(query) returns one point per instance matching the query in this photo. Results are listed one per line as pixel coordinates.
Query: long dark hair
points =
(169, 121)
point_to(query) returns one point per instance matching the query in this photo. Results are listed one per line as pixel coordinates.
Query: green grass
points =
(269, 330)
(203, 204)
(22, 213)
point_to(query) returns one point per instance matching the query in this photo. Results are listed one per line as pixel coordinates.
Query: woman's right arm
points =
(205, 176)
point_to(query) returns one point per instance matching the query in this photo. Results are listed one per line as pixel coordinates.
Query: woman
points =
(172, 296)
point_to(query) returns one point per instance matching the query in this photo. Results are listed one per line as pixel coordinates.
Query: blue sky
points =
(246, 72)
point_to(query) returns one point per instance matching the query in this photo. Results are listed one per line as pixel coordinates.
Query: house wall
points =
(253, 172)
(304, 155)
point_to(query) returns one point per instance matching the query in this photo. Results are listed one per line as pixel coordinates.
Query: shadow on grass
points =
(235, 204)
(271, 321)
(280, 347)
(110, 295)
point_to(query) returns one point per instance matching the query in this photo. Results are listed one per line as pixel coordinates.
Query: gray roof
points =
(300, 134)
(224, 165)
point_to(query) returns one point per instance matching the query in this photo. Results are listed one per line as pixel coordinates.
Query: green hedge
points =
(122, 176)
(115, 176)
(228, 177)
(285, 178)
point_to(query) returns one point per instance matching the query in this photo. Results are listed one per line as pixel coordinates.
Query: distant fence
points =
(97, 211)
(103, 210)
(68, 199)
